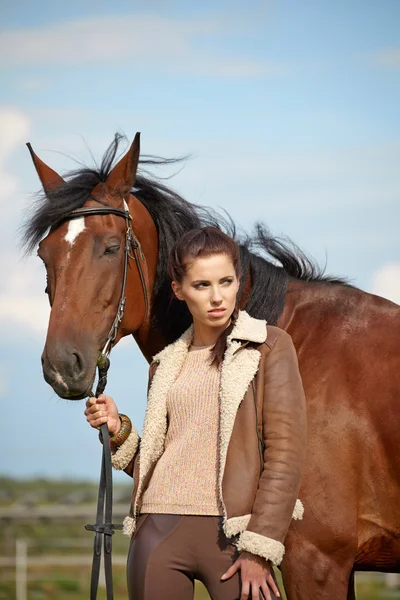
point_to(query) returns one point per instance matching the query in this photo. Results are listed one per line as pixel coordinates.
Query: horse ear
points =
(122, 176)
(49, 178)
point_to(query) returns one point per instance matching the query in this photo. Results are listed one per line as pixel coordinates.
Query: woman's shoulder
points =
(276, 335)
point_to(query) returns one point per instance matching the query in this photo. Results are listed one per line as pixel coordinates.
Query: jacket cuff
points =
(262, 546)
(124, 454)
(236, 525)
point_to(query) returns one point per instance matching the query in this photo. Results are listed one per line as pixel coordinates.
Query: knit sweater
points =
(184, 480)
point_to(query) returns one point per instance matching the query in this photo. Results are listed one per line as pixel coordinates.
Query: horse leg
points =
(308, 573)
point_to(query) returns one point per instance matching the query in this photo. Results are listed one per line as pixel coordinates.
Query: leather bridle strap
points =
(85, 211)
(131, 242)
(104, 525)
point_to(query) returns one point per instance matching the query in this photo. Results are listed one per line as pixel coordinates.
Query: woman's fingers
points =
(94, 414)
(96, 408)
(94, 405)
(90, 402)
(97, 422)
(245, 591)
(265, 591)
(272, 584)
(231, 571)
(96, 411)
(255, 592)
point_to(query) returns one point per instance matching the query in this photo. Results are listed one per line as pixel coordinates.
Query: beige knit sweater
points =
(184, 480)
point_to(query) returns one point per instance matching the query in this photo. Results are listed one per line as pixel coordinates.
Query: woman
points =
(217, 470)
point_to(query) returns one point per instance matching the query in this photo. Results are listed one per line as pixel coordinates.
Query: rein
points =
(104, 525)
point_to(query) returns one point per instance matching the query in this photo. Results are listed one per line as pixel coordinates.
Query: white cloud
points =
(14, 127)
(22, 299)
(389, 58)
(170, 45)
(386, 282)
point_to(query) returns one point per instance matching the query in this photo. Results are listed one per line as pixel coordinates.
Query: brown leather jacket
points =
(262, 434)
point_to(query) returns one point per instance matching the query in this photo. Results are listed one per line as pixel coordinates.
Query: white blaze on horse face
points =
(75, 227)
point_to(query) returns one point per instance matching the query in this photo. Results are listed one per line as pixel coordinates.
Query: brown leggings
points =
(168, 552)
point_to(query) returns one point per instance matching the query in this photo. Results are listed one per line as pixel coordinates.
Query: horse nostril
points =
(79, 362)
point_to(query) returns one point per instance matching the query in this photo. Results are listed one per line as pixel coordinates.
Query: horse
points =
(346, 341)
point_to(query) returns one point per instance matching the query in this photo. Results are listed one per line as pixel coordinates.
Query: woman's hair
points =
(201, 243)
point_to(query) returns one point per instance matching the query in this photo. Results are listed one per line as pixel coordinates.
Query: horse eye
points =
(112, 250)
(46, 291)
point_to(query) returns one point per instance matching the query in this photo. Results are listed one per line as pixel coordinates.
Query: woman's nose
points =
(216, 297)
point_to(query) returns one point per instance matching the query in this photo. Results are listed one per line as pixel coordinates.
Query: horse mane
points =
(173, 215)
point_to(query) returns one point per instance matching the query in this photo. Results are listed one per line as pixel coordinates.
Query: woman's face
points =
(209, 288)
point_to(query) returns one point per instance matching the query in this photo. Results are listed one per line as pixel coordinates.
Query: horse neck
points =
(151, 344)
(149, 339)
(306, 303)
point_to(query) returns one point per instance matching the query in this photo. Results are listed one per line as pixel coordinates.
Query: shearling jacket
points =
(262, 434)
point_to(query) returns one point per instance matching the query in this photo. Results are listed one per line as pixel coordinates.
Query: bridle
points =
(104, 525)
(131, 243)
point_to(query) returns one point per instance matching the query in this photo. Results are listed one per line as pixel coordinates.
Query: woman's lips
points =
(217, 312)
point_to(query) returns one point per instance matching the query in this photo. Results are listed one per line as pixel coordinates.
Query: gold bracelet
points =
(119, 438)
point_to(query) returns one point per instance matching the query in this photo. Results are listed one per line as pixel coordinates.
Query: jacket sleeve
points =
(124, 457)
(284, 435)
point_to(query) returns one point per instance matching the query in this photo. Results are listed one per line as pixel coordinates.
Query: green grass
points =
(73, 584)
(52, 538)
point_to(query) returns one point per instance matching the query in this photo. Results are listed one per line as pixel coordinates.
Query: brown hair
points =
(203, 242)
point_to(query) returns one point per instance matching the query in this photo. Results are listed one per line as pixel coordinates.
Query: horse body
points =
(351, 484)
(347, 346)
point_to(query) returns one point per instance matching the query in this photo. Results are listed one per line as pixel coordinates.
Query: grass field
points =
(72, 583)
(68, 546)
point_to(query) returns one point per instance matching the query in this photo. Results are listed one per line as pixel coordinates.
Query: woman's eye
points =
(112, 250)
(228, 281)
(200, 286)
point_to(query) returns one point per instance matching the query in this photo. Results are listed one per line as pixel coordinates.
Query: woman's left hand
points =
(256, 577)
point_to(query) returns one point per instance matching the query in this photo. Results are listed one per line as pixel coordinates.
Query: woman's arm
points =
(284, 432)
(104, 410)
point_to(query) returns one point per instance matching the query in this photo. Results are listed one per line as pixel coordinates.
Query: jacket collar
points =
(246, 329)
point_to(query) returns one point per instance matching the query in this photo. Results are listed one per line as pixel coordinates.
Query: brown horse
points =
(346, 339)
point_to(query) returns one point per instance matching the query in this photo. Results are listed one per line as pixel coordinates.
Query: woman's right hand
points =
(103, 410)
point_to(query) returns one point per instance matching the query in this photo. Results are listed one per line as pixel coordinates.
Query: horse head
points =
(85, 266)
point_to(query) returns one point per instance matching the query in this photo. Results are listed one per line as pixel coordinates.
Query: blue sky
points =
(290, 112)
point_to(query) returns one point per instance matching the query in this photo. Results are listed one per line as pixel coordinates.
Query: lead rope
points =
(104, 525)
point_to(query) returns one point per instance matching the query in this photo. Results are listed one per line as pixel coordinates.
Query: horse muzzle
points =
(69, 372)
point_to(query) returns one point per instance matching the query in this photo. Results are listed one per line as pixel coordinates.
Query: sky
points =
(288, 110)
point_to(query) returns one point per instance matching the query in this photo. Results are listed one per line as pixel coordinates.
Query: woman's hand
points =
(103, 410)
(256, 577)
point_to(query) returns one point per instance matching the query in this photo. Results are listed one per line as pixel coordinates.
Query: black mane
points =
(173, 215)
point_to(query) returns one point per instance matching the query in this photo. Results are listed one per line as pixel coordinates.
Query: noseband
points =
(104, 525)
